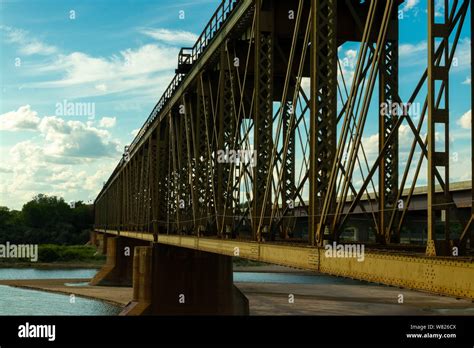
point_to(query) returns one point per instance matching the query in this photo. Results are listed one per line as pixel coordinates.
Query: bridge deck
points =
(452, 276)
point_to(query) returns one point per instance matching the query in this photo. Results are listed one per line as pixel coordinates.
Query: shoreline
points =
(272, 298)
(267, 298)
(92, 265)
(52, 265)
(117, 296)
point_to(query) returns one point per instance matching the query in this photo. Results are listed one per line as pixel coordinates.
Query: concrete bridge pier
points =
(169, 280)
(118, 269)
(100, 241)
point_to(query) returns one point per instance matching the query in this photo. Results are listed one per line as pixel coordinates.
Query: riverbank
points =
(98, 264)
(53, 265)
(324, 297)
(266, 268)
(118, 296)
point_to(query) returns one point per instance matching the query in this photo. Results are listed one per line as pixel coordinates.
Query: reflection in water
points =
(290, 278)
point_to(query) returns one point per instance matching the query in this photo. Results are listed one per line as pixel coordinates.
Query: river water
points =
(18, 301)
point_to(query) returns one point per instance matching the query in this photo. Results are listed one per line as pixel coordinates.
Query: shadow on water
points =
(290, 278)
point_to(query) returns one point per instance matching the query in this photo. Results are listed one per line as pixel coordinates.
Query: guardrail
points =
(187, 56)
(216, 22)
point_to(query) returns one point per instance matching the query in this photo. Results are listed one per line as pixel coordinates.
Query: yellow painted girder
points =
(453, 276)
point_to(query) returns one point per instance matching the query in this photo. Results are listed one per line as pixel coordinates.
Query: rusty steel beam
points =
(448, 276)
(388, 172)
(172, 182)
(438, 116)
(263, 116)
(323, 119)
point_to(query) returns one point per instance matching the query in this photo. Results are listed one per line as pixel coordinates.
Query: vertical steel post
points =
(288, 177)
(263, 117)
(388, 117)
(226, 124)
(323, 119)
(438, 115)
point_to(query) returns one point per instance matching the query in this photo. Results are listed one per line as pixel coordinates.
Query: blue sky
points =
(119, 56)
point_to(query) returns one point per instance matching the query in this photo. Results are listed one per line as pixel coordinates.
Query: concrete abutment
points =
(170, 280)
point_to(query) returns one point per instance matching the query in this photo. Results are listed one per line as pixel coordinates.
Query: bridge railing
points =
(187, 56)
(216, 22)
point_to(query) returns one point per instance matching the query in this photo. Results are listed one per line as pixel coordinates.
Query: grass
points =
(51, 253)
(246, 263)
(66, 253)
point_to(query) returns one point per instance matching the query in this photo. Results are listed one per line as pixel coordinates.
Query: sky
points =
(79, 78)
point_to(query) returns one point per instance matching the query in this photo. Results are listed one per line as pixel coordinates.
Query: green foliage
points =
(237, 261)
(47, 220)
(64, 253)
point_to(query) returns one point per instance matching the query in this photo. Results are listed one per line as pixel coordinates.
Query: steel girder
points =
(226, 142)
(177, 163)
(288, 178)
(438, 116)
(388, 172)
(263, 117)
(202, 160)
(323, 119)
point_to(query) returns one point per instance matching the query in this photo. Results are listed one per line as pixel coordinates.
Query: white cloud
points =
(417, 54)
(410, 5)
(176, 37)
(439, 8)
(463, 55)
(146, 67)
(467, 81)
(101, 87)
(60, 161)
(465, 120)
(30, 173)
(407, 50)
(64, 138)
(22, 119)
(95, 182)
(27, 44)
(5, 170)
(107, 122)
(75, 139)
(410, 8)
(37, 47)
(348, 64)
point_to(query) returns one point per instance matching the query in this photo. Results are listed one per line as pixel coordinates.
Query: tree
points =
(44, 211)
(47, 219)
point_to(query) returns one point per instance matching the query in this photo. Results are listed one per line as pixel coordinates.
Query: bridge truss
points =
(265, 81)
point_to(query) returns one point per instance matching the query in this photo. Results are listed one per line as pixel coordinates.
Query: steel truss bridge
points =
(265, 79)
